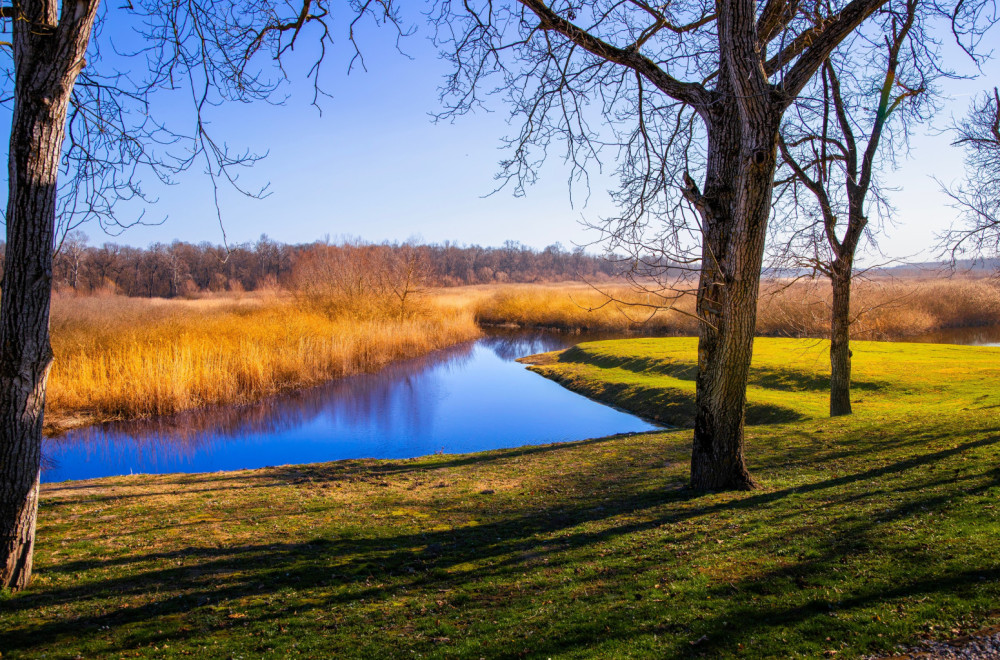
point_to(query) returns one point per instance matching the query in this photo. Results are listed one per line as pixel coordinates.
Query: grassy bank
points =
(119, 358)
(883, 309)
(789, 378)
(869, 531)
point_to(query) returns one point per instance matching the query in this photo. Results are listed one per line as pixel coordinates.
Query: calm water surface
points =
(987, 335)
(468, 398)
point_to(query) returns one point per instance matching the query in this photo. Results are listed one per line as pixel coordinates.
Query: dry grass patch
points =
(574, 306)
(122, 358)
(882, 308)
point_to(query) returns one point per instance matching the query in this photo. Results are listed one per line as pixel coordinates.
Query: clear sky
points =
(373, 165)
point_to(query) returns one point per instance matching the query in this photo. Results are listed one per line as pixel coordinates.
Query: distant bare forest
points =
(184, 269)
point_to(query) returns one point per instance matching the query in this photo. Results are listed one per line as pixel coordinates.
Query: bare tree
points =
(978, 197)
(83, 134)
(340, 278)
(69, 258)
(404, 271)
(683, 92)
(833, 145)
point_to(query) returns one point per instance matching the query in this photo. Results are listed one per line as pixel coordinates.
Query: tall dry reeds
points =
(122, 358)
(573, 307)
(363, 280)
(881, 309)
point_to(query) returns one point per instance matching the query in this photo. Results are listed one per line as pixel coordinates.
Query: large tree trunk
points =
(840, 340)
(47, 58)
(735, 207)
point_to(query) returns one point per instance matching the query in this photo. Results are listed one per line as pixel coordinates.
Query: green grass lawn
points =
(868, 532)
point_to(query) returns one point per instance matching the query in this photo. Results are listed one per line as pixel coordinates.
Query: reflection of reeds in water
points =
(48, 462)
(403, 389)
(979, 336)
(509, 344)
(120, 358)
(397, 401)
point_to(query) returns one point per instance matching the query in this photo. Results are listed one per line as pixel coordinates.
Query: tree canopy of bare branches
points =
(688, 97)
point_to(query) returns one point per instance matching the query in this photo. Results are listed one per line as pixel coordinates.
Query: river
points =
(470, 397)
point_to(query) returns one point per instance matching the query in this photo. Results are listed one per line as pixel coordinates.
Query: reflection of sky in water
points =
(468, 398)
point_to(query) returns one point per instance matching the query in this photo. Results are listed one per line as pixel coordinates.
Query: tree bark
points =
(736, 203)
(48, 55)
(840, 340)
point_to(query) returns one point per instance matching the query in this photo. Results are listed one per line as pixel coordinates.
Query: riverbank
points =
(123, 358)
(869, 531)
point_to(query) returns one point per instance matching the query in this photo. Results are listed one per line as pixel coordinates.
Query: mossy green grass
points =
(867, 532)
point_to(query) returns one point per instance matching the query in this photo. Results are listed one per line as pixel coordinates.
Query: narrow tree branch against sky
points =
(146, 105)
(977, 197)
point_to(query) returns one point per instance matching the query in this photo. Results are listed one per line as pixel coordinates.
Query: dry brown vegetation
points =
(575, 306)
(119, 358)
(122, 357)
(881, 308)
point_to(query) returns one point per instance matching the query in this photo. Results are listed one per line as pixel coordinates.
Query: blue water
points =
(468, 398)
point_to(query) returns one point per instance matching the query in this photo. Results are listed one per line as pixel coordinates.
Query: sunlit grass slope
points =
(868, 531)
(120, 357)
(789, 378)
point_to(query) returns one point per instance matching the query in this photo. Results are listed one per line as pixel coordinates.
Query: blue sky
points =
(373, 165)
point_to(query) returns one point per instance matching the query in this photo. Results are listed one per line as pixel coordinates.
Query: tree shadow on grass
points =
(344, 470)
(220, 591)
(827, 444)
(666, 405)
(917, 577)
(783, 379)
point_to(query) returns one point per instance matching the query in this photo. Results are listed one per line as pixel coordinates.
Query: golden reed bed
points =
(882, 309)
(120, 358)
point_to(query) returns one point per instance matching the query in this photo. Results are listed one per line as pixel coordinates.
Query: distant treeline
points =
(181, 269)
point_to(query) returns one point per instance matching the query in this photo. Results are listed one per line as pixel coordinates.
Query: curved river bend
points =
(471, 397)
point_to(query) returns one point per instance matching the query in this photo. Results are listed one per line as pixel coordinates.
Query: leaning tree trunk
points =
(840, 339)
(48, 55)
(735, 207)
